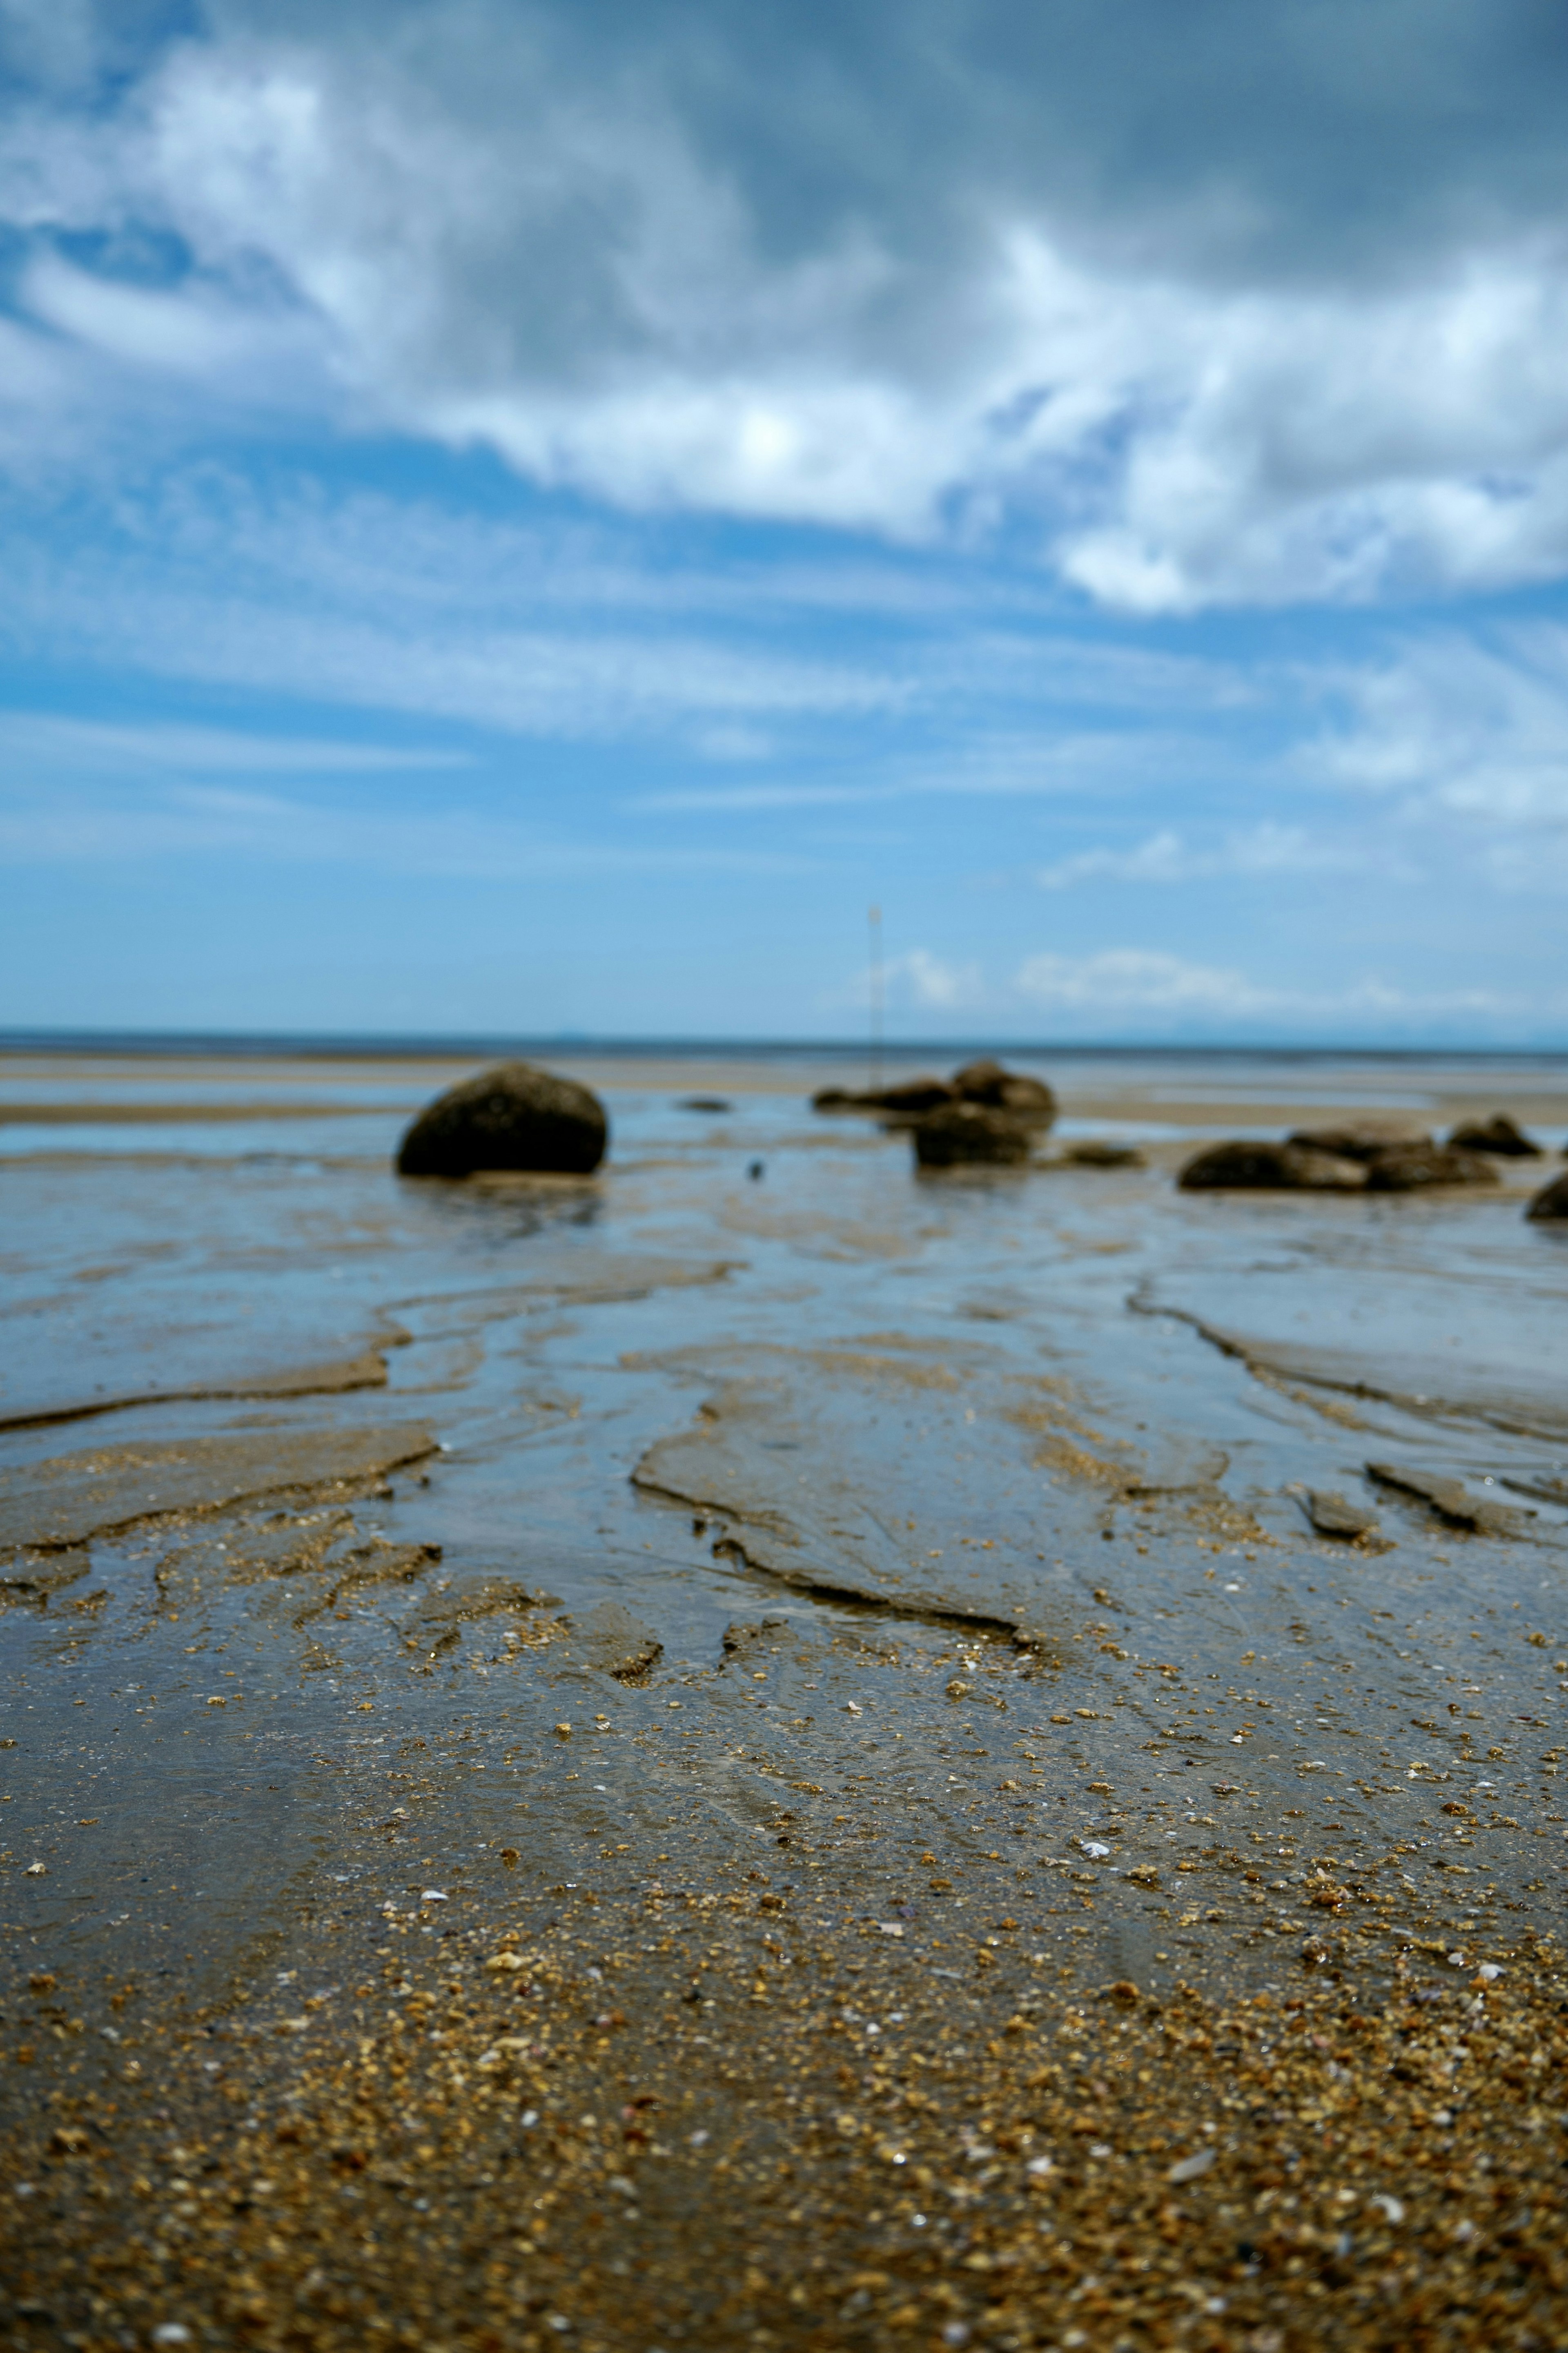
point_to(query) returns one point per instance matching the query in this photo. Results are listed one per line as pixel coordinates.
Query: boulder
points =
(510, 1117)
(1360, 1139)
(1497, 1135)
(1552, 1201)
(1406, 1167)
(988, 1083)
(964, 1132)
(1279, 1168)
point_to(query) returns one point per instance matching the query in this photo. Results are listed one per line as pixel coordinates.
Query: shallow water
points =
(327, 1498)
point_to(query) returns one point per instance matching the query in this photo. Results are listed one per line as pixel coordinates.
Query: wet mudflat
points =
(693, 1758)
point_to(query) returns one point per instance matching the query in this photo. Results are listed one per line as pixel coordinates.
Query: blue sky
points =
(523, 519)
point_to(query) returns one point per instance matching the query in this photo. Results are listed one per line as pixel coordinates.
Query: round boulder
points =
(989, 1082)
(1270, 1167)
(511, 1117)
(962, 1133)
(1552, 1201)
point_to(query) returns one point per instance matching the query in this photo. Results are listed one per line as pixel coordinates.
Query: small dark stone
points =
(511, 1117)
(706, 1102)
(1285, 1167)
(1331, 1516)
(969, 1132)
(989, 1082)
(1552, 1201)
(1500, 1134)
(1093, 1153)
(1406, 1167)
(1360, 1139)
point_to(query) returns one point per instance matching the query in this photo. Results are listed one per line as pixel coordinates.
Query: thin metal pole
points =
(876, 929)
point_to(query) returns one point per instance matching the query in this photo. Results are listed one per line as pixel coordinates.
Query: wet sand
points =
(700, 1759)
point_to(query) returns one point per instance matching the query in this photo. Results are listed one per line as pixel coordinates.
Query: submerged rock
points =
(965, 1132)
(1331, 1516)
(1552, 1201)
(989, 1082)
(1500, 1134)
(512, 1117)
(1094, 1154)
(1409, 1167)
(1360, 1139)
(910, 1100)
(1452, 1499)
(1282, 1168)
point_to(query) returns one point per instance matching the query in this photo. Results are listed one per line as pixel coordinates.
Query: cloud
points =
(1226, 305)
(63, 827)
(1116, 983)
(45, 739)
(1474, 728)
(1167, 857)
(920, 978)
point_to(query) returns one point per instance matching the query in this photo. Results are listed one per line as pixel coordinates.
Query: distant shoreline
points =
(390, 1046)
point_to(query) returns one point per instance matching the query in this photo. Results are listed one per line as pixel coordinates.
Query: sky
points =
(532, 519)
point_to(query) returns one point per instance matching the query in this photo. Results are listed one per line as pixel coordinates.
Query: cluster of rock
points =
(986, 1082)
(520, 1119)
(984, 1114)
(513, 1118)
(1372, 1155)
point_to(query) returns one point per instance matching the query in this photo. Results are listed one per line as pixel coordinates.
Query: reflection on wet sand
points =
(792, 1753)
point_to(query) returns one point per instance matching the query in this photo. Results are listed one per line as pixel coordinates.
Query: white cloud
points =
(1474, 728)
(1115, 983)
(194, 820)
(921, 978)
(1296, 346)
(1168, 856)
(69, 746)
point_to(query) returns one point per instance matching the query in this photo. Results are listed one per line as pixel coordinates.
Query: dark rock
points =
(1406, 1167)
(912, 1100)
(1497, 1135)
(1452, 1499)
(1282, 1168)
(510, 1117)
(1331, 1516)
(962, 1132)
(1552, 1201)
(1093, 1153)
(988, 1083)
(1360, 1139)
(706, 1102)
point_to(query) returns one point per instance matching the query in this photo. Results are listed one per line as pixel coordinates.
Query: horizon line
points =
(465, 1043)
